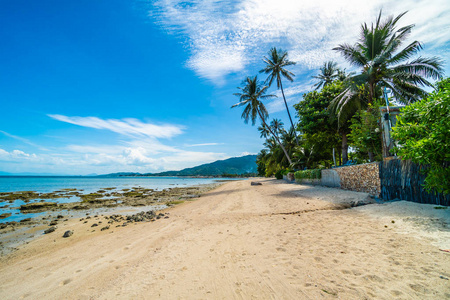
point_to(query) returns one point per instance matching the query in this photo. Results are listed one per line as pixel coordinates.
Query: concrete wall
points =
(331, 178)
(359, 178)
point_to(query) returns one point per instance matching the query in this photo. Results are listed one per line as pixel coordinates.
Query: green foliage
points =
(279, 174)
(319, 129)
(261, 168)
(383, 63)
(365, 131)
(423, 135)
(308, 174)
(313, 110)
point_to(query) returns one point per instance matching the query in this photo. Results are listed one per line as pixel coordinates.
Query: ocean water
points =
(85, 185)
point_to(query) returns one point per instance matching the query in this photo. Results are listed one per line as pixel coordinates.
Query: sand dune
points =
(274, 241)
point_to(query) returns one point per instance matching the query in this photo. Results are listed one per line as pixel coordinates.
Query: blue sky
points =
(143, 86)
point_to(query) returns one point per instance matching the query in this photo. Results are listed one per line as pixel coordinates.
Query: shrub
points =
(279, 174)
(308, 174)
(423, 135)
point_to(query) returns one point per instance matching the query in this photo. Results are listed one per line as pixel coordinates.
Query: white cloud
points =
(293, 95)
(129, 127)
(247, 153)
(227, 36)
(16, 156)
(204, 144)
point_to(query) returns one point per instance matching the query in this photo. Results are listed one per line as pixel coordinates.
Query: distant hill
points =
(235, 165)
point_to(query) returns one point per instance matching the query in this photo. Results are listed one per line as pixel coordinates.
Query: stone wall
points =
(359, 178)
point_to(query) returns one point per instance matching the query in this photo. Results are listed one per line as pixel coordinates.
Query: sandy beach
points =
(272, 241)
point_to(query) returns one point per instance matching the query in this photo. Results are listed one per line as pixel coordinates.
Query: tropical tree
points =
(384, 64)
(276, 62)
(422, 133)
(251, 93)
(277, 126)
(316, 123)
(328, 72)
(264, 131)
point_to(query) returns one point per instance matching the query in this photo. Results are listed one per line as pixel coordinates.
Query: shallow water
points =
(84, 185)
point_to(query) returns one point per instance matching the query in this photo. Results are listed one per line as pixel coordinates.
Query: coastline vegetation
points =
(342, 111)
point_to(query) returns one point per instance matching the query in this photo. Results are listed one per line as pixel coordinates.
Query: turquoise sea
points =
(86, 185)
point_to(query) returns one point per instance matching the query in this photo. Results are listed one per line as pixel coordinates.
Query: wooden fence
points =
(404, 180)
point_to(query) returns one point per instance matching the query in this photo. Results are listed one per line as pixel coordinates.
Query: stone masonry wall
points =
(360, 178)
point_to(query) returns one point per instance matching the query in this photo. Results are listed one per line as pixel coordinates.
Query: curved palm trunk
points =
(289, 114)
(276, 137)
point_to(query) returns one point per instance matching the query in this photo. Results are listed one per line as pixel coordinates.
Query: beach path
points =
(272, 241)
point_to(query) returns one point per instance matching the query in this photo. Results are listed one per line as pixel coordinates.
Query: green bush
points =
(423, 135)
(308, 174)
(279, 174)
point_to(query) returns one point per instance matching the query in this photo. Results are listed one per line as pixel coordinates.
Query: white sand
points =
(275, 241)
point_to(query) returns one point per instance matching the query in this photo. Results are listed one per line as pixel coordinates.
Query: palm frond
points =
(428, 67)
(351, 54)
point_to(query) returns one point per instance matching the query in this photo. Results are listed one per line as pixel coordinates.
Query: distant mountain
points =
(235, 165)
(119, 174)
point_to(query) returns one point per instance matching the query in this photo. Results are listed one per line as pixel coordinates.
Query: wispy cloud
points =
(227, 36)
(292, 93)
(23, 140)
(204, 144)
(129, 127)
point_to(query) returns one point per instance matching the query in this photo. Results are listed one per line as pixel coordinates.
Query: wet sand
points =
(277, 240)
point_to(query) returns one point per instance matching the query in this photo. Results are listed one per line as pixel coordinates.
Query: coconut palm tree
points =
(276, 62)
(328, 72)
(277, 126)
(252, 92)
(384, 64)
(264, 131)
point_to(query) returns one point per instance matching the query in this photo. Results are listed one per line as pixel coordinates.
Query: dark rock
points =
(25, 220)
(94, 225)
(38, 206)
(67, 233)
(5, 215)
(3, 225)
(104, 228)
(60, 217)
(51, 229)
(255, 183)
(54, 222)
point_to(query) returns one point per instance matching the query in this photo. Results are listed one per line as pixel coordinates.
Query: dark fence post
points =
(403, 179)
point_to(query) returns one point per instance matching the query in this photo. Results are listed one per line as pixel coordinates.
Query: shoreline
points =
(14, 234)
(276, 240)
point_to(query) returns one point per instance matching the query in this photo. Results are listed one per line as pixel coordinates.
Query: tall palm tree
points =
(383, 64)
(276, 62)
(252, 92)
(264, 131)
(277, 126)
(328, 72)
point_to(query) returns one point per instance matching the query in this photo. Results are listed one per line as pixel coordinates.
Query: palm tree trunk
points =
(344, 148)
(289, 114)
(276, 137)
